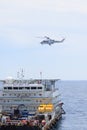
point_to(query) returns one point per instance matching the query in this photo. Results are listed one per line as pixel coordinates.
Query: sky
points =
(22, 22)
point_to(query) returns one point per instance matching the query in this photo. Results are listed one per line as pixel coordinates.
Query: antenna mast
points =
(20, 75)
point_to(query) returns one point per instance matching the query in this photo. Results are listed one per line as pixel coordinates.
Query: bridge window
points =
(5, 87)
(33, 87)
(9, 88)
(15, 88)
(39, 87)
(27, 87)
(40, 94)
(20, 87)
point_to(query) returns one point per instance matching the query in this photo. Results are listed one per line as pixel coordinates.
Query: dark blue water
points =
(74, 96)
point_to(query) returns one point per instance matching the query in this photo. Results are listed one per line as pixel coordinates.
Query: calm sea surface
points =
(74, 96)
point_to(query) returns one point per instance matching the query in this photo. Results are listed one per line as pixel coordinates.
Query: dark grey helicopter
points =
(50, 41)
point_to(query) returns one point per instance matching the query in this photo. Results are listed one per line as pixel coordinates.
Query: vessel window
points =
(5, 87)
(20, 87)
(33, 87)
(39, 87)
(40, 94)
(27, 87)
(15, 88)
(4, 94)
(9, 87)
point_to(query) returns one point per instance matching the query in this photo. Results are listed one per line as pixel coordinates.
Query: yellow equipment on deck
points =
(45, 108)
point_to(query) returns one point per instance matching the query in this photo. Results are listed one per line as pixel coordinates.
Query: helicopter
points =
(50, 41)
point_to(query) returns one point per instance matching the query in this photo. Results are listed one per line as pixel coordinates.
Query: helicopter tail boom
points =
(60, 41)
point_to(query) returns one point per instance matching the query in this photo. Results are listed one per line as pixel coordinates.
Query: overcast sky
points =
(22, 21)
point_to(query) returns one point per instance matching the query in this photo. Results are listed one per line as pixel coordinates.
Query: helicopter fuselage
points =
(49, 41)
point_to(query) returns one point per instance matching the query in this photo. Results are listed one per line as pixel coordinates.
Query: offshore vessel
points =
(31, 98)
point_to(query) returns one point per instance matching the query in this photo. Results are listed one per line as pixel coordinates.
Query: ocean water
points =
(74, 96)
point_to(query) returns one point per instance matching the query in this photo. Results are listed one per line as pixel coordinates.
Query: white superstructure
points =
(27, 95)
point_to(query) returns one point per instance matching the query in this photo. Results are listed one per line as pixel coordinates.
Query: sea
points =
(74, 97)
